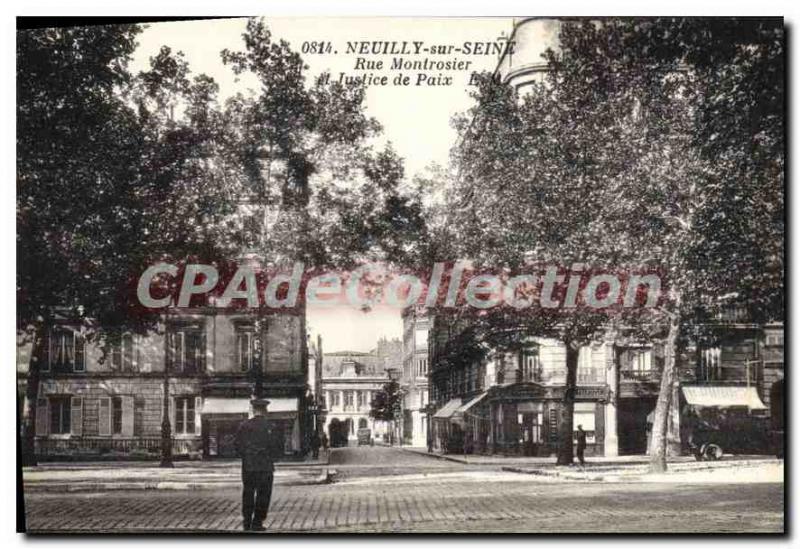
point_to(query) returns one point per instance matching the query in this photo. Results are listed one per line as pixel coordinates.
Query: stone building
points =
(510, 403)
(350, 380)
(414, 379)
(93, 405)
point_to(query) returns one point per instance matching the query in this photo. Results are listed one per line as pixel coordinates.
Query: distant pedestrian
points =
(325, 445)
(581, 444)
(315, 444)
(256, 443)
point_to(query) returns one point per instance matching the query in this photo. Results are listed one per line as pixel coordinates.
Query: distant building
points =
(350, 380)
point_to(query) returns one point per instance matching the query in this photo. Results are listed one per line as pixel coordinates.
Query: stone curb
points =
(326, 477)
(618, 474)
(433, 455)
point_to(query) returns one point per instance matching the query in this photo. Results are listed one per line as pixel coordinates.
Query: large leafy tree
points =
(319, 192)
(651, 143)
(113, 173)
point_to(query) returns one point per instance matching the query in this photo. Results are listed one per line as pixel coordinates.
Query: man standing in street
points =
(581, 444)
(255, 443)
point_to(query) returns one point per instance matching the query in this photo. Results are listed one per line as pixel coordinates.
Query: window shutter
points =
(76, 421)
(42, 419)
(172, 411)
(127, 416)
(104, 417)
(80, 364)
(170, 351)
(198, 403)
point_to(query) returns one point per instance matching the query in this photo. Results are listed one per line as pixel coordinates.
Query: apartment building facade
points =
(201, 363)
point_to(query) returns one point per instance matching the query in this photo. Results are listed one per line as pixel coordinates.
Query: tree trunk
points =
(166, 428)
(658, 445)
(28, 433)
(565, 454)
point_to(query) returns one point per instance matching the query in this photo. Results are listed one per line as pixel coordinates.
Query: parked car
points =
(714, 431)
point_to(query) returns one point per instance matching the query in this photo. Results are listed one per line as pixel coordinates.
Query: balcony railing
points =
(639, 375)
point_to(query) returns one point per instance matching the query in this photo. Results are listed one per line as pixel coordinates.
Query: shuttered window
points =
(245, 347)
(138, 416)
(123, 353)
(60, 415)
(186, 349)
(116, 415)
(66, 350)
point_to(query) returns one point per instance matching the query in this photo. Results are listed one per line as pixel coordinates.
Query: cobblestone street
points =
(384, 490)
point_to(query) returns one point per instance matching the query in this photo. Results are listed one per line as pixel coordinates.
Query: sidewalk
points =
(739, 471)
(185, 475)
(744, 468)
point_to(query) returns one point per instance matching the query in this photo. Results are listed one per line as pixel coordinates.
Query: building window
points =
(184, 415)
(421, 339)
(588, 372)
(186, 349)
(710, 364)
(60, 415)
(348, 400)
(774, 340)
(116, 415)
(245, 347)
(637, 363)
(531, 365)
(122, 353)
(359, 399)
(335, 402)
(66, 351)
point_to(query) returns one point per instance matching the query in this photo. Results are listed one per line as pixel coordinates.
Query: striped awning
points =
(465, 407)
(448, 409)
(722, 396)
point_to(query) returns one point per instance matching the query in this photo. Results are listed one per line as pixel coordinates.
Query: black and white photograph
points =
(400, 275)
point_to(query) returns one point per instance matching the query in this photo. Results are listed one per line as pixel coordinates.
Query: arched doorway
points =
(334, 432)
(362, 423)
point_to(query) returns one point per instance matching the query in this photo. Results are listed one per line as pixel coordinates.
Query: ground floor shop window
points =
(584, 415)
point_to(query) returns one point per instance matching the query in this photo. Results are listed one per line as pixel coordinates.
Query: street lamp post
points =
(429, 410)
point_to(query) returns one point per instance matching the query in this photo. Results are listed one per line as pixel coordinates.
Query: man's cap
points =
(259, 402)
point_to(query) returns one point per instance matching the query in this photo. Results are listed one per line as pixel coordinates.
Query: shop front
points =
(524, 419)
(221, 417)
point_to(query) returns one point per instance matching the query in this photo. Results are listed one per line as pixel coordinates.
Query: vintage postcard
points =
(401, 275)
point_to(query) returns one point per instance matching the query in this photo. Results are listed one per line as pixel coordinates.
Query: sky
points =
(416, 119)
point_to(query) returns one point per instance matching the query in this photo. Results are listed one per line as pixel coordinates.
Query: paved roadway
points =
(387, 490)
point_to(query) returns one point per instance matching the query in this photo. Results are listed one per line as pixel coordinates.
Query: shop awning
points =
(222, 405)
(448, 409)
(723, 396)
(464, 408)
